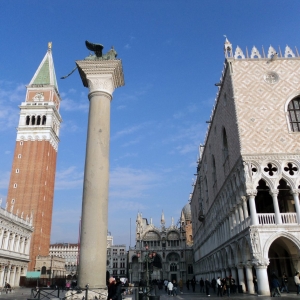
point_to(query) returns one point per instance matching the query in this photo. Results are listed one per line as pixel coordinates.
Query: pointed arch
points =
(224, 144)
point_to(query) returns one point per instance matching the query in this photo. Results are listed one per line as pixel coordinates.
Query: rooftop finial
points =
(227, 47)
(49, 45)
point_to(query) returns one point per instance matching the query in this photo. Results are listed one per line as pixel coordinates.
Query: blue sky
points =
(172, 54)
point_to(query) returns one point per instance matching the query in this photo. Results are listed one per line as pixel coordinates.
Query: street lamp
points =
(149, 262)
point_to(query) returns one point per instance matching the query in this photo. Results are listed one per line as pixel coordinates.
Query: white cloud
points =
(4, 179)
(68, 104)
(129, 183)
(126, 205)
(130, 130)
(10, 96)
(68, 179)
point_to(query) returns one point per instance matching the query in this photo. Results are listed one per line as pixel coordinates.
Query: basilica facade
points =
(171, 246)
(245, 200)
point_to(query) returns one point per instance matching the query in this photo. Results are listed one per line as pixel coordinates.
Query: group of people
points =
(224, 286)
(114, 289)
(171, 287)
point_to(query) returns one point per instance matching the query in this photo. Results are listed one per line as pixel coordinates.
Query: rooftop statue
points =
(97, 49)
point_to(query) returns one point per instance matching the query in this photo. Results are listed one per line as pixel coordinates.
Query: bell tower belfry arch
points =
(31, 186)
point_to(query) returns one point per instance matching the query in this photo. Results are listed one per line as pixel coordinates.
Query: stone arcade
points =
(245, 201)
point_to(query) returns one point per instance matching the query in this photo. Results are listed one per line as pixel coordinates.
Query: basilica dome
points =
(187, 212)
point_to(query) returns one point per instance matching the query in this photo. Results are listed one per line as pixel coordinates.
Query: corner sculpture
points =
(97, 49)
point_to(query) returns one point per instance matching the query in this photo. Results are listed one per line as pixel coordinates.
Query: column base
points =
(93, 294)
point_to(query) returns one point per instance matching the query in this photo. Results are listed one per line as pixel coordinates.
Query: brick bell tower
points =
(31, 186)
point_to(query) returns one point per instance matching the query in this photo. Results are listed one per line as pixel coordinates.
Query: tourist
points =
(207, 286)
(275, 286)
(174, 288)
(114, 289)
(7, 287)
(201, 285)
(193, 283)
(180, 283)
(213, 284)
(219, 286)
(166, 285)
(170, 288)
(284, 283)
(188, 284)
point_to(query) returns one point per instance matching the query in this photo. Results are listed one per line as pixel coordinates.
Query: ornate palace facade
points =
(245, 201)
(172, 245)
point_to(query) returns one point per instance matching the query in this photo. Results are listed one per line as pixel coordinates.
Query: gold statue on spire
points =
(49, 45)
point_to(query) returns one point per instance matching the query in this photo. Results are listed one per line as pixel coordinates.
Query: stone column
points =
(241, 214)
(274, 195)
(297, 206)
(101, 77)
(254, 217)
(241, 277)
(245, 208)
(237, 217)
(262, 280)
(249, 276)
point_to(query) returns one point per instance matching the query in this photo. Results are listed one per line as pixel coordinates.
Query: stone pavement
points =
(25, 293)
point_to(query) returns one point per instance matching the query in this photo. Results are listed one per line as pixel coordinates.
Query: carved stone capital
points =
(295, 192)
(100, 84)
(101, 75)
(260, 263)
(244, 198)
(251, 192)
(274, 193)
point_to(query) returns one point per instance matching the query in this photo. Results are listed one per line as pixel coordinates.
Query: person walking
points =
(213, 284)
(193, 283)
(174, 288)
(207, 286)
(170, 288)
(297, 282)
(180, 283)
(166, 285)
(188, 284)
(201, 285)
(275, 285)
(219, 287)
(284, 283)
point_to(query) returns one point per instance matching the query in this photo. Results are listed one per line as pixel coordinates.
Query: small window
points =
(294, 114)
(15, 185)
(19, 155)
(17, 171)
(21, 143)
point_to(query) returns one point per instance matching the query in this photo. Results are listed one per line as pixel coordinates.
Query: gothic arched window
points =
(173, 267)
(214, 174)
(43, 271)
(294, 114)
(225, 145)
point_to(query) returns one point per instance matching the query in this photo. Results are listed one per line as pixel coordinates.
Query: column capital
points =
(251, 192)
(260, 263)
(243, 198)
(101, 75)
(295, 191)
(274, 192)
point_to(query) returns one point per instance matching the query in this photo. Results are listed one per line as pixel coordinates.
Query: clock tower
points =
(31, 186)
